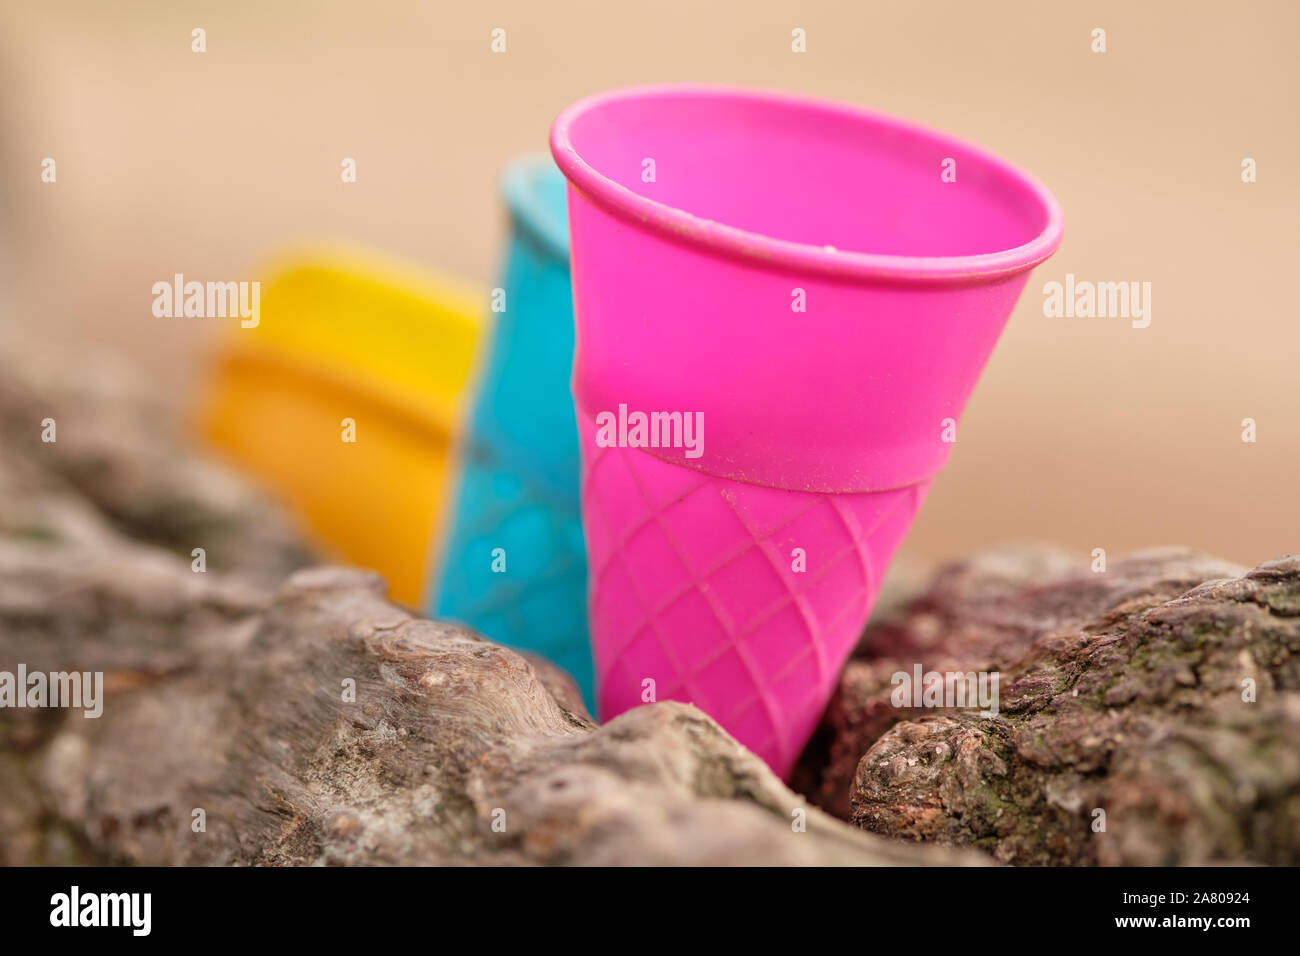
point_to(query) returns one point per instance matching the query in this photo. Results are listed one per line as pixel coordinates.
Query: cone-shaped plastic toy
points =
(347, 399)
(514, 568)
(808, 286)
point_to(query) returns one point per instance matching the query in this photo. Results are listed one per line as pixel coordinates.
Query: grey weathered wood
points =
(225, 694)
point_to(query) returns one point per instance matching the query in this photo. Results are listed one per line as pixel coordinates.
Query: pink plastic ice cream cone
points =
(813, 290)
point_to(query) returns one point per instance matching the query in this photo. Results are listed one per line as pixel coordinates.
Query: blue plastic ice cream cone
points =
(515, 568)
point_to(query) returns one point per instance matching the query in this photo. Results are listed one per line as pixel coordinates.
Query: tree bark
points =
(1164, 692)
(271, 711)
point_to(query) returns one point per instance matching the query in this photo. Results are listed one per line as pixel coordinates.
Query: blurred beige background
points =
(1085, 431)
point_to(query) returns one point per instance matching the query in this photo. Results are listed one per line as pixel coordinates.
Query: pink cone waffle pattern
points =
(692, 585)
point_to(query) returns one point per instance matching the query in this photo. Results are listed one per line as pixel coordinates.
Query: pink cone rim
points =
(757, 249)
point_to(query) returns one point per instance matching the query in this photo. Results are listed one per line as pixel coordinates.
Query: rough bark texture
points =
(1120, 691)
(226, 694)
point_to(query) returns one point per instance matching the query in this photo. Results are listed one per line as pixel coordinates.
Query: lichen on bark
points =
(1127, 692)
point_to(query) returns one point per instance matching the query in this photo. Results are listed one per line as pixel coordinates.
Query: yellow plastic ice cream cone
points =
(346, 398)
